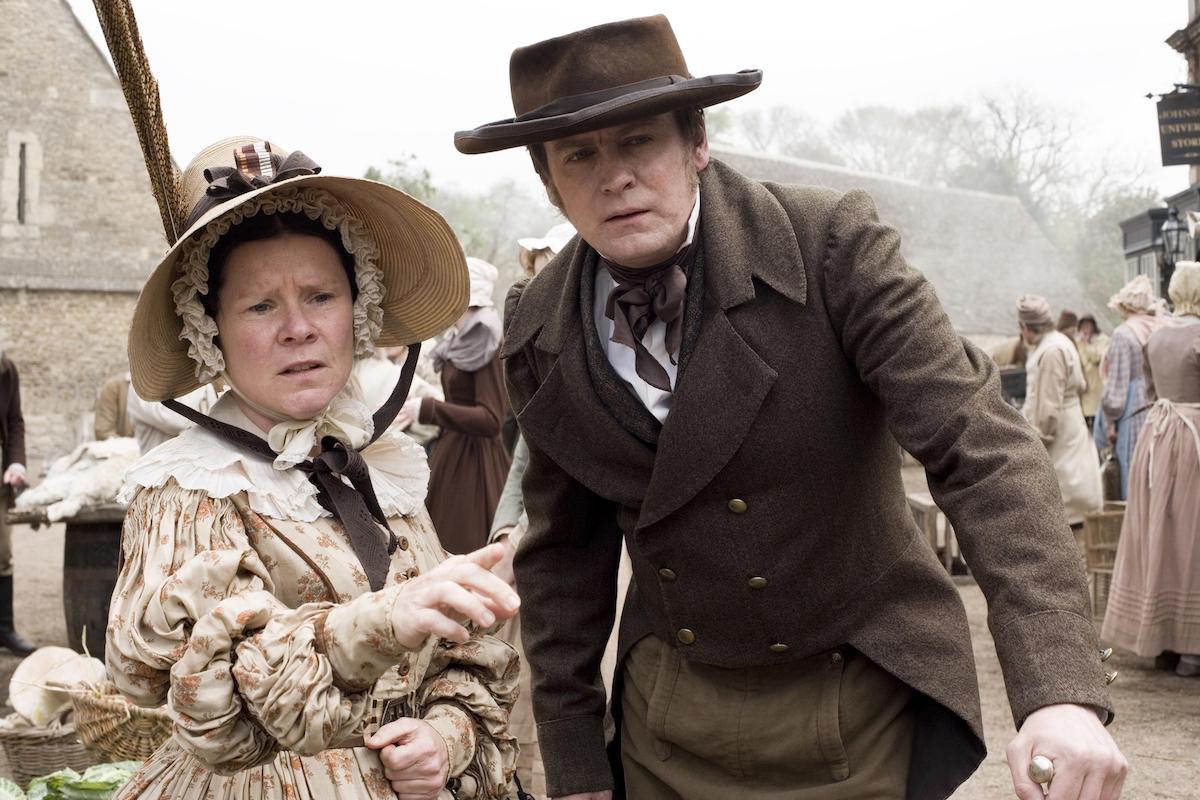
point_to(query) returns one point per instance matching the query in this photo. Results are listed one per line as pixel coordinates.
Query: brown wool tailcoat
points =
(816, 344)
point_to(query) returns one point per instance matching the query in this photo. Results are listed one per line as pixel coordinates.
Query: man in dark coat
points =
(12, 467)
(717, 371)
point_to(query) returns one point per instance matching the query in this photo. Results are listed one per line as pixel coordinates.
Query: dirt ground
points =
(1157, 723)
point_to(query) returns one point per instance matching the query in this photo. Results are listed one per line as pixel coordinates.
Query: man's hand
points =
(587, 796)
(1087, 763)
(14, 476)
(414, 757)
(504, 568)
(459, 588)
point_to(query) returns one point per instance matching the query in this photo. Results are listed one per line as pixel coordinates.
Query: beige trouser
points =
(830, 727)
(6, 566)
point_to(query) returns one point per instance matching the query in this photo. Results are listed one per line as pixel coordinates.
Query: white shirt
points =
(622, 357)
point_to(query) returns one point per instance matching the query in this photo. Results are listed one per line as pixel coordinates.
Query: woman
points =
(1092, 345)
(1154, 602)
(470, 463)
(1054, 382)
(303, 649)
(1123, 401)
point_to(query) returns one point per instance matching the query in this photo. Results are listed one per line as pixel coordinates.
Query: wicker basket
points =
(113, 728)
(39, 751)
(1101, 534)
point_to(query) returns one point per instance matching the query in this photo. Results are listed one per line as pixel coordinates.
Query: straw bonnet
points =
(410, 270)
(598, 77)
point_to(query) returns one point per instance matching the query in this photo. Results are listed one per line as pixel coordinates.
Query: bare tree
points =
(1016, 145)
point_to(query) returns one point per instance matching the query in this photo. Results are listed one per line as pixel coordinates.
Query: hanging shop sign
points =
(1179, 128)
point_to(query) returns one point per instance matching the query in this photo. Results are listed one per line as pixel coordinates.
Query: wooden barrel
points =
(90, 552)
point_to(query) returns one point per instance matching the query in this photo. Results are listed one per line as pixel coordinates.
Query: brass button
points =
(836, 658)
(686, 635)
(758, 583)
(666, 574)
(403, 543)
(779, 647)
(738, 506)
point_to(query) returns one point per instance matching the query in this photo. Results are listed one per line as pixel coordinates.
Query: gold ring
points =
(1041, 770)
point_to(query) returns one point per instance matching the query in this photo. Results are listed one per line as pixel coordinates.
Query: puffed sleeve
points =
(467, 695)
(194, 623)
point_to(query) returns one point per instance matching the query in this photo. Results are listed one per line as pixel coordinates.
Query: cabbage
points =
(96, 783)
(10, 791)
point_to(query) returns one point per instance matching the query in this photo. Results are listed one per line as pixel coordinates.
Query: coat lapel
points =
(746, 236)
(566, 418)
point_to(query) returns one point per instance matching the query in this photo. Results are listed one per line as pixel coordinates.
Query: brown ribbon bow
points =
(226, 183)
(355, 506)
(642, 296)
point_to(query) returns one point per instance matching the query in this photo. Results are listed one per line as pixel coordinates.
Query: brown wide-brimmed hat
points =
(421, 265)
(598, 77)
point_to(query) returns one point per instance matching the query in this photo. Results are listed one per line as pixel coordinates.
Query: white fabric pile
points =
(89, 475)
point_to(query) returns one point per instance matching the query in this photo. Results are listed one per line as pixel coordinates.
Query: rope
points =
(141, 95)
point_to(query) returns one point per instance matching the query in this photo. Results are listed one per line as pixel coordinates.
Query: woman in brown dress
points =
(1154, 604)
(469, 463)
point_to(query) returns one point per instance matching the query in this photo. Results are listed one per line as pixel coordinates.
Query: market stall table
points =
(91, 549)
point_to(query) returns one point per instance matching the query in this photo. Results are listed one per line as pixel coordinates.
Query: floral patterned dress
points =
(241, 605)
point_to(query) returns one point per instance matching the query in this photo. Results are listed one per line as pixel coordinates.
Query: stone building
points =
(79, 228)
(980, 251)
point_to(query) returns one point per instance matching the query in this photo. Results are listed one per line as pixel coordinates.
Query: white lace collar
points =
(197, 459)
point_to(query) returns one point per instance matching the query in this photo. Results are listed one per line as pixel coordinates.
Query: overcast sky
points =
(357, 82)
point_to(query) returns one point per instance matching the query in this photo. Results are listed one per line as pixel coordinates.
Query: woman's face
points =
(284, 313)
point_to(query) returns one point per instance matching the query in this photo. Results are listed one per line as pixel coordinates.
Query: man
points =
(1054, 384)
(112, 409)
(12, 465)
(714, 370)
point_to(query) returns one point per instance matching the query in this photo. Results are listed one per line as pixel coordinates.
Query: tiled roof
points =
(980, 251)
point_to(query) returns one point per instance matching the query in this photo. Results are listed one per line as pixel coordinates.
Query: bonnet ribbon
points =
(356, 505)
(257, 167)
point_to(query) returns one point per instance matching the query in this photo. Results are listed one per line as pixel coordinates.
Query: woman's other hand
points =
(409, 413)
(460, 588)
(414, 757)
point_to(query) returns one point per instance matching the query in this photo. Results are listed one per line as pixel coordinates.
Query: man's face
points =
(629, 189)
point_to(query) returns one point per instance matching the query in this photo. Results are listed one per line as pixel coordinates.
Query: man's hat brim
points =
(669, 94)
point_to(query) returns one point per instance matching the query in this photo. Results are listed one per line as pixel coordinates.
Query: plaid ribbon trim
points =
(255, 159)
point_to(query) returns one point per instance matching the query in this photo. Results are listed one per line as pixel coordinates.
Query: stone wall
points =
(76, 210)
(65, 344)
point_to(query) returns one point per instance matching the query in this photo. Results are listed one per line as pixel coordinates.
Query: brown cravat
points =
(642, 296)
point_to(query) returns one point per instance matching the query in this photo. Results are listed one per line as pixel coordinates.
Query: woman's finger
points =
(459, 602)
(432, 622)
(487, 585)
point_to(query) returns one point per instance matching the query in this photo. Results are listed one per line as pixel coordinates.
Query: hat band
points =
(575, 102)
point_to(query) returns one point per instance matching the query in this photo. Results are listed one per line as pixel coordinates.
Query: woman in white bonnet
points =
(282, 590)
(469, 461)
